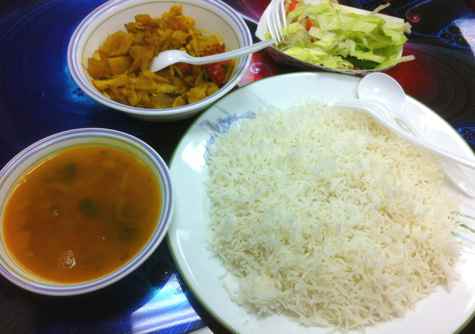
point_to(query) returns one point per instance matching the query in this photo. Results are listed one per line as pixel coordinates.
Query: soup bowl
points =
(211, 16)
(40, 151)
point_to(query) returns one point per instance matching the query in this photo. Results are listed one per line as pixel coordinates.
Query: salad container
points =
(280, 57)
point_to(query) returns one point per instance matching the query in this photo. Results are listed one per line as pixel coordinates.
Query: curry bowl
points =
(80, 210)
(212, 17)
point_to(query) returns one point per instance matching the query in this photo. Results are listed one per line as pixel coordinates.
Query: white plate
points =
(440, 313)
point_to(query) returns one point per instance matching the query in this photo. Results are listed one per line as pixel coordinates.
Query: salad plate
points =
(442, 312)
(281, 57)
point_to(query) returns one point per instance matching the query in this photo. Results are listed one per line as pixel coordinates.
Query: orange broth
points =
(81, 213)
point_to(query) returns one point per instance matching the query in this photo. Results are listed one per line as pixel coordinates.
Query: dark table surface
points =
(39, 98)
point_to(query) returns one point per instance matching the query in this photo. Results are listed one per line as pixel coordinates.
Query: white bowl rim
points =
(59, 289)
(76, 69)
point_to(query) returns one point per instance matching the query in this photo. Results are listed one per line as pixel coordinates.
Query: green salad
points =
(326, 34)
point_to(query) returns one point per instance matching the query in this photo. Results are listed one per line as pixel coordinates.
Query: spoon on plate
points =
(384, 99)
(170, 57)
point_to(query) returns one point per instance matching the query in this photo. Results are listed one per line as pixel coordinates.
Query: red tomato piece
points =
(309, 24)
(217, 72)
(293, 4)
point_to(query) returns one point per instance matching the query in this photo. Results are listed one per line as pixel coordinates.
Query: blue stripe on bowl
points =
(87, 133)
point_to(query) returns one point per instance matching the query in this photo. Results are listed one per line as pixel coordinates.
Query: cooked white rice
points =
(328, 218)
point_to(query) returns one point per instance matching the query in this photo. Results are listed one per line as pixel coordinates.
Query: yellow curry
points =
(120, 67)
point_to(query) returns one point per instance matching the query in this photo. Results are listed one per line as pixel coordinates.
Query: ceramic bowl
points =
(31, 155)
(212, 16)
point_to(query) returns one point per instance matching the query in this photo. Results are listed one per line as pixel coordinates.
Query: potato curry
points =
(120, 67)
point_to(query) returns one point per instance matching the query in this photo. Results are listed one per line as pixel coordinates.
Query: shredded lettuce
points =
(326, 35)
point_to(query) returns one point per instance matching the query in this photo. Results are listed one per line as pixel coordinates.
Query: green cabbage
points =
(326, 35)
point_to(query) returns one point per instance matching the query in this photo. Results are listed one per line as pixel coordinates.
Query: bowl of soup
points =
(110, 53)
(80, 210)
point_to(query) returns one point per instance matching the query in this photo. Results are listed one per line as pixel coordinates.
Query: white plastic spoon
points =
(170, 57)
(382, 90)
(383, 97)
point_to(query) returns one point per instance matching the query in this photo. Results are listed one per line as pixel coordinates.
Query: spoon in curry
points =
(170, 57)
